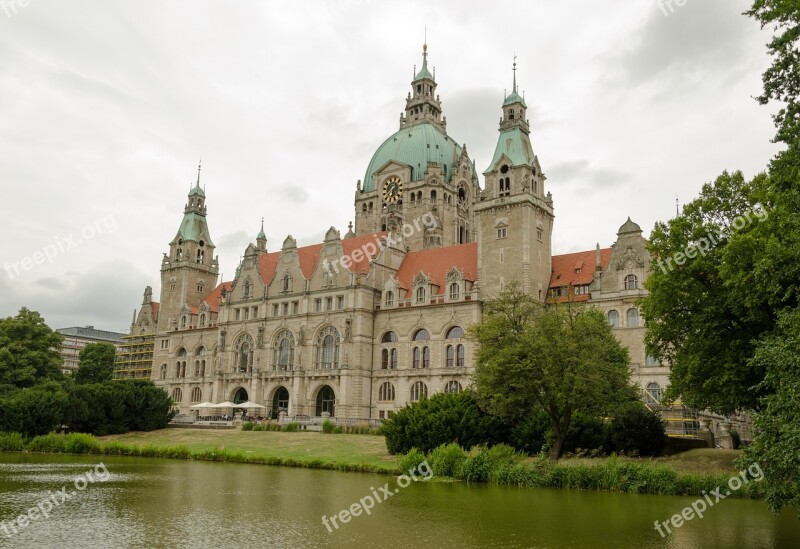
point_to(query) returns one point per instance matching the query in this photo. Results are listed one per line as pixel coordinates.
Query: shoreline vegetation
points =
(688, 474)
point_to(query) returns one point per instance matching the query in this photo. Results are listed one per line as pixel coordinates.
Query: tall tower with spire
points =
(515, 218)
(189, 270)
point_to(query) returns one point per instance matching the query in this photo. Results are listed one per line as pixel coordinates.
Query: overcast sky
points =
(107, 106)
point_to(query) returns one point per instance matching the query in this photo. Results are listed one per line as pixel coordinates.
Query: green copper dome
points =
(416, 146)
(514, 98)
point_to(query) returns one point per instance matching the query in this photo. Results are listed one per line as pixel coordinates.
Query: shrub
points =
(330, 427)
(446, 459)
(530, 435)
(51, 442)
(291, 427)
(482, 462)
(636, 429)
(11, 442)
(247, 426)
(411, 460)
(587, 433)
(80, 443)
(441, 419)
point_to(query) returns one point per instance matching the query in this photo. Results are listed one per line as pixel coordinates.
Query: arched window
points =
(244, 356)
(200, 363)
(393, 359)
(280, 402)
(419, 390)
(385, 359)
(389, 299)
(286, 281)
(632, 282)
(426, 357)
(613, 319)
(247, 289)
(197, 394)
(328, 348)
(459, 356)
(180, 370)
(326, 401)
(416, 355)
(633, 318)
(653, 394)
(455, 291)
(177, 395)
(456, 332)
(283, 352)
(422, 335)
(433, 197)
(453, 387)
(386, 392)
(203, 319)
(163, 371)
(451, 356)
(183, 321)
(421, 294)
(389, 337)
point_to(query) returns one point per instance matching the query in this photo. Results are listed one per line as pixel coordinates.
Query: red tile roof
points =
(437, 263)
(309, 256)
(213, 298)
(577, 269)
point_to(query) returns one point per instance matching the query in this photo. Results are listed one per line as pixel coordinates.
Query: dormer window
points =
(389, 299)
(455, 291)
(286, 283)
(420, 295)
(631, 282)
(247, 289)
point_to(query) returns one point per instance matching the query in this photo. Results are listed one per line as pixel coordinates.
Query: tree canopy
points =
(29, 350)
(561, 360)
(96, 363)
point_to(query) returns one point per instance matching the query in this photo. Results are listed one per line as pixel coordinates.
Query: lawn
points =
(300, 446)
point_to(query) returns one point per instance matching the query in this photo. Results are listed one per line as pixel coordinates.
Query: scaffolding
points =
(680, 421)
(134, 358)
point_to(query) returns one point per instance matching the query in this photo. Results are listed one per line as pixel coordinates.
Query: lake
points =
(143, 502)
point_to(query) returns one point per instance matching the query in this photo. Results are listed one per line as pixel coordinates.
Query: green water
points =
(163, 503)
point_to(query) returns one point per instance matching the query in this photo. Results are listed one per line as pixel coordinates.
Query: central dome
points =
(416, 146)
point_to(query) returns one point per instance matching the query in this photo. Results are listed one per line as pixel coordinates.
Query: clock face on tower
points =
(392, 189)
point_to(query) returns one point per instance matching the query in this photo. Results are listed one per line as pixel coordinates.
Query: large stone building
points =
(358, 326)
(78, 337)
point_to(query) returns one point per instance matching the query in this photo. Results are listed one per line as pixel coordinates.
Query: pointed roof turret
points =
(424, 73)
(515, 97)
(196, 190)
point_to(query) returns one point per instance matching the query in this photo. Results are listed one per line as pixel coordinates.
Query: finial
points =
(350, 225)
(199, 165)
(515, 72)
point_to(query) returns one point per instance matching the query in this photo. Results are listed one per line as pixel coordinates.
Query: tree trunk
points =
(558, 444)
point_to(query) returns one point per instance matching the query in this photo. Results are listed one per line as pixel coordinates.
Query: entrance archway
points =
(326, 401)
(280, 402)
(240, 396)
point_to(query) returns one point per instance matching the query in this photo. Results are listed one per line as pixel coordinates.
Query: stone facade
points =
(358, 326)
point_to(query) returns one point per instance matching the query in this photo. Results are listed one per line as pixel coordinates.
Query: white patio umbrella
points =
(203, 405)
(224, 405)
(249, 405)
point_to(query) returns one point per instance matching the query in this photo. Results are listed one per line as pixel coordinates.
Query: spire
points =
(424, 72)
(261, 239)
(261, 233)
(515, 73)
(514, 97)
(197, 190)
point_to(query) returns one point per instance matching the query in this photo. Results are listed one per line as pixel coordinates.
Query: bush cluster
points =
(456, 418)
(99, 408)
(504, 465)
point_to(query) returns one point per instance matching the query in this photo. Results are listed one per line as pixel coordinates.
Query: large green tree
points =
(29, 350)
(96, 363)
(701, 318)
(562, 360)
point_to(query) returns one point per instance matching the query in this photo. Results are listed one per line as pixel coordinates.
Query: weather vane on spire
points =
(515, 72)
(199, 165)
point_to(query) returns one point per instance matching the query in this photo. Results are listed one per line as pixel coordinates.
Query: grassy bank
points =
(312, 450)
(689, 473)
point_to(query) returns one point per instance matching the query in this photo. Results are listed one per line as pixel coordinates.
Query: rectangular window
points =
(296, 308)
(329, 304)
(381, 415)
(238, 314)
(501, 233)
(255, 312)
(318, 305)
(285, 309)
(247, 314)
(340, 302)
(276, 310)
(165, 343)
(539, 234)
